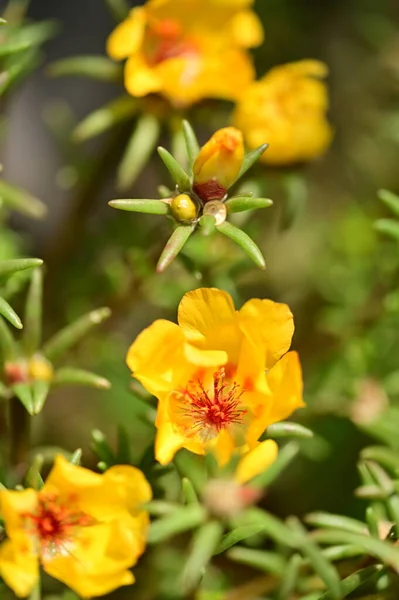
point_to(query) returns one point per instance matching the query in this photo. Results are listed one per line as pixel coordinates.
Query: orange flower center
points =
(210, 413)
(165, 40)
(54, 524)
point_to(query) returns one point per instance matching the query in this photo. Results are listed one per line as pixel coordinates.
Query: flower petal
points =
(140, 78)
(19, 566)
(157, 358)
(285, 381)
(268, 328)
(256, 461)
(13, 506)
(128, 36)
(247, 29)
(98, 562)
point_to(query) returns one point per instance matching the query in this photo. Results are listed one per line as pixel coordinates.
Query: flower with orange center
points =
(221, 376)
(187, 50)
(287, 109)
(83, 528)
(218, 164)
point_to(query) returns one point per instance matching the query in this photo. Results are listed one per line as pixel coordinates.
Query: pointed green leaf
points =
(23, 392)
(178, 142)
(384, 456)
(203, 545)
(9, 313)
(243, 240)
(7, 343)
(30, 35)
(71, 334)
(20, 200)
(72, 376)
(237, 535)
(341, 552)
(189, 493)
(250, 159)
(270, 562)
(119, 9)
(285, 456)
(390, 200)
(182, 519)
(27, 62)
(177, 172)
(288, 429)
(123, 453)
(322, 519)
(33, 477)
(288, 583)
(272, 527)
(101, 448)
(372, 522)
(192, 144)
(242, 203)
(175, 243)
(164, 191)
(150, 207)
(372, 492)
(160, 508)
(354, 581)
(40, 390)
(326, 571)
(105, 118)
(138, 151)
(32, 336)
(207, 224)
(96, 67)
(76, 457)
(8, 267)
(388, 226)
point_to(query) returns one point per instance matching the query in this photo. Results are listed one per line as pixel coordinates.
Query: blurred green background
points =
(324, 257)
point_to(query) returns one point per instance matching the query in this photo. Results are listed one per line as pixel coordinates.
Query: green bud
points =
(183, 208)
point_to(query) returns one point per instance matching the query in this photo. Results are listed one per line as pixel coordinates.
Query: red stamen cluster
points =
(54, 524)
(165, 40)
(210, 414)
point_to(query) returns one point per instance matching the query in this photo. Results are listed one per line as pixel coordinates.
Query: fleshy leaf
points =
(105, 118)
(251, 158)
(242, 203)
(138, 151)
(33, 314)
(182, 519)
(390, 200)
(288, 429)
(20, 200)
(7, 267)
(243, 240)
(9, 313)
(204, 543)
(97, 67)
(192, 144)
(23, 392)
(151, 207)
(388, 226)
(175, 243)
(285, 456)
(72, 376)
(177, 172)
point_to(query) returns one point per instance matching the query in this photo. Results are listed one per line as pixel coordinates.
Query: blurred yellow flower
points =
(218, 164)
(187, 50)
(287, 109)
(83, 528)
(221, 376)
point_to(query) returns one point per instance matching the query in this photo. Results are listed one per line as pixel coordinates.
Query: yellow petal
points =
(223, 447)
(130, 485)
(220, 159)
(97, 563)
(205, 358)
(19, 566)
(209, 321)
(268, 327)
(285, 381)
(157, 357)
(127, 38)
(256, 461)
(140, 78)
(247, 29)
(14, 505)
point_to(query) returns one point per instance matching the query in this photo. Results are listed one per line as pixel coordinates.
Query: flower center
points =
(165, 40)
(210, 413)
(54, 525)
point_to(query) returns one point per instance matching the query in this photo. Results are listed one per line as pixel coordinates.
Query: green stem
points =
(19, 428)
(36, 592)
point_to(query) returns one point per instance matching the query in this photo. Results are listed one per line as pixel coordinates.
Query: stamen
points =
(53, 525)
(165, 40)
(208, 415)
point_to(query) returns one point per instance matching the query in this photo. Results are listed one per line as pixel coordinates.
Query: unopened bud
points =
(218, 164)
(225, 498)
(183, 208)
(216, 209)
(40, 369)
(16, 372)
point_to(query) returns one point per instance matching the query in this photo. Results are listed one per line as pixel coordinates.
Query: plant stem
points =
(36, 592)
(19, 428)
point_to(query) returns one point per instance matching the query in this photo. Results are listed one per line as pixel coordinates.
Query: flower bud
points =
(216, 209)
(225, 498)
(183, 208)
(218, 164)
(16, 372)
(40, 369)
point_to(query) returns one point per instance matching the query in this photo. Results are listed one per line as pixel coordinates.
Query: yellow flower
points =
(83, 528)
(221, 376)
(187, 50)
(287, 109)
(218, 164)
